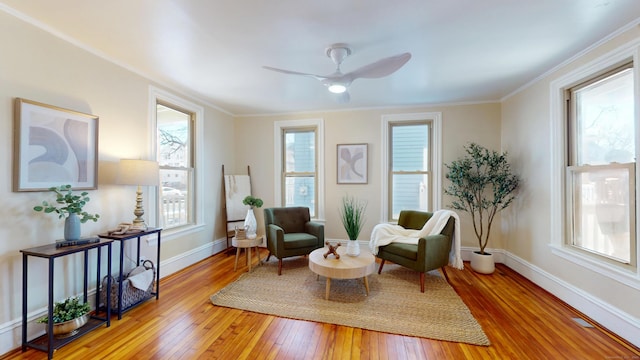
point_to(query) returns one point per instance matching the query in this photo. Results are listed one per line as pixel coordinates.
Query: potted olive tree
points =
(482, 184)
(352, 216)
(69, 206)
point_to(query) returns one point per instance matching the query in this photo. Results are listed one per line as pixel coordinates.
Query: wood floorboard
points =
(521, 320)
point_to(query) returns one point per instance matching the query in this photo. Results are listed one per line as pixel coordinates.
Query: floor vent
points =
(582, 322)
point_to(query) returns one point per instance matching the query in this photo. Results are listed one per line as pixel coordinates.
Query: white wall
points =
(526, 135)
(38, 66)
(460, 124)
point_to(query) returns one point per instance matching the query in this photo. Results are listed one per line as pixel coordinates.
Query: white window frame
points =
(158, 95)
(559, 146)
(435, 118)
(278, 127)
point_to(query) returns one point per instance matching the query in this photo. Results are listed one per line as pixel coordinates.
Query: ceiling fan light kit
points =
(337, 88)
(338, 82)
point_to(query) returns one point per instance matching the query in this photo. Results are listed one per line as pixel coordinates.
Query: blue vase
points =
(72, 227)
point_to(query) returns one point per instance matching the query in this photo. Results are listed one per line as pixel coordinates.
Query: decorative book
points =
(81, 241)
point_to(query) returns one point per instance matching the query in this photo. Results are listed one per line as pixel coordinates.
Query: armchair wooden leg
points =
(421, 282)
(381, 265)
(444, 272)
(279, 266)
(268, 256)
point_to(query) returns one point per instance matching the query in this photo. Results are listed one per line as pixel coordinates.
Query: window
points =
(411, 158)
(300, 163)
(601, 166)
(175, 127)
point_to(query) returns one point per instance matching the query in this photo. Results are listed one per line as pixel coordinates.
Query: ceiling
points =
(462, 50)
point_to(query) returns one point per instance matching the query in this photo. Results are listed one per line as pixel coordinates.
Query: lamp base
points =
(139, 224)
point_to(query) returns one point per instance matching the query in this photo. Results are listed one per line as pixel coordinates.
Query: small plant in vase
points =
(352, 215)
(68, 316)
(250, 223)
(69, 206)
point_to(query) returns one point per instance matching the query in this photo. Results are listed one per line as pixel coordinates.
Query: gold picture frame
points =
(352, 163)
(53, 146)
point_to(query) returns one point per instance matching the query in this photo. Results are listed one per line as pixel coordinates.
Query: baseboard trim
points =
(179, 262)
(613, 319)
(11, 331)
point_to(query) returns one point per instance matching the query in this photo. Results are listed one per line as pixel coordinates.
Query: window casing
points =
(563, 157)
(177, 141)
(175, 157)
(600, 176)
(299, 170)
(412, 159)
(299, 161)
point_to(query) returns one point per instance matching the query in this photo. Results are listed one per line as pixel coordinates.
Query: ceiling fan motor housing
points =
(338, 52)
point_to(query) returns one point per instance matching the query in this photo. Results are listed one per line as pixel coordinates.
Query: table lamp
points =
(140, 173)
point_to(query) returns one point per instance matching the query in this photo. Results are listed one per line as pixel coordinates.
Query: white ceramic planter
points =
(250, 224)
(353, 248)
(483, 264)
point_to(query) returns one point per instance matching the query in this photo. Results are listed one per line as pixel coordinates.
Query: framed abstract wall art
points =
(53, 146)
(352, 163)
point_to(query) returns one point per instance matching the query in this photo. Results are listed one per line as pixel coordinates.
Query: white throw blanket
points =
(141, 280)
(384, 234)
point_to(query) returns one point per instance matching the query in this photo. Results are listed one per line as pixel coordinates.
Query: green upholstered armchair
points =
(290, 232)
(431, 252)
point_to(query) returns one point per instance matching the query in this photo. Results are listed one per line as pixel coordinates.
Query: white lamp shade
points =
(138, 172)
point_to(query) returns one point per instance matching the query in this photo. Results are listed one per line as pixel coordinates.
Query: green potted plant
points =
(68, 206)
(482, 184)
(68, 316)
(352, 214)
(252, 201)
(250, 223)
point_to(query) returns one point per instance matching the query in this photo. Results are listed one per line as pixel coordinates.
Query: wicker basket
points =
(130, 294)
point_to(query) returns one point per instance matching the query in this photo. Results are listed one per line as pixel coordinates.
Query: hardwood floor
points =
(521, 320)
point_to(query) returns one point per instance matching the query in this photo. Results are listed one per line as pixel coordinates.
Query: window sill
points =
(171, 234)
(623, 276)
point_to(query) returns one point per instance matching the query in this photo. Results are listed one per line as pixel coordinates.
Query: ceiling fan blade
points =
(380, 68)
(317, 77)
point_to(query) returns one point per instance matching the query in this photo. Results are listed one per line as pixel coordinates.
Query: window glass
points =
(410, 164)
(300, 168)
(601, 186)
(605, 120)
(174, 143)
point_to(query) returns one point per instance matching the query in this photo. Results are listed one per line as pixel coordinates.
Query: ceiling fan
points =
(338, 82)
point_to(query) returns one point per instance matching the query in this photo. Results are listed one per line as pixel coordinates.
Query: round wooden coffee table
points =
(347, 267)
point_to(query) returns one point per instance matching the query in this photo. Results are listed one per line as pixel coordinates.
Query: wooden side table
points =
(122, 238)
(47, 342)
(248, 245)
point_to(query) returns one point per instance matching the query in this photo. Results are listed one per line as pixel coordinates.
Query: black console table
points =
(48, 342)
(128, 236)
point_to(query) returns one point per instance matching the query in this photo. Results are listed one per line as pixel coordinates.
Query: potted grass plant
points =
(352, 214)
(482, 184)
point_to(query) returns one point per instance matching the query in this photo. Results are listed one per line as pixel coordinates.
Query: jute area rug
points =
(394, 305)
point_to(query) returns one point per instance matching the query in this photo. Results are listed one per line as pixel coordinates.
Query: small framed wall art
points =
(352, 163)
(52, 147)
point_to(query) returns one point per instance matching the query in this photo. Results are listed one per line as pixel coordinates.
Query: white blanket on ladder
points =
(384, 234)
